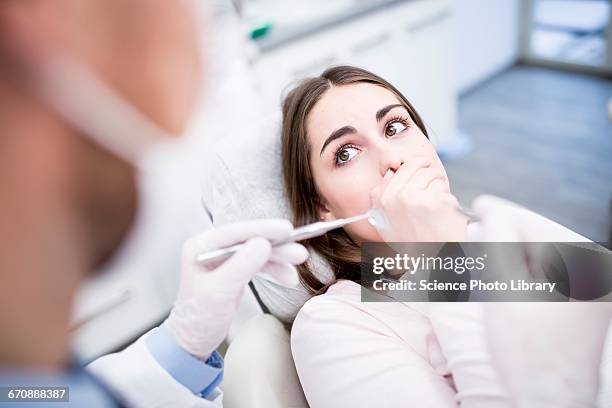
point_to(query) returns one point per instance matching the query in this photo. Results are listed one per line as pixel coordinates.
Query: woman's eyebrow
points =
(381, 113)
(336, 134)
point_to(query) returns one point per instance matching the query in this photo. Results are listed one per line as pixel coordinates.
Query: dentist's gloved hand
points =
(209, 295)
(505, 221)
(548, 354)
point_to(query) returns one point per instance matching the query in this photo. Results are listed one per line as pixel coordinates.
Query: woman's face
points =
(357, 133)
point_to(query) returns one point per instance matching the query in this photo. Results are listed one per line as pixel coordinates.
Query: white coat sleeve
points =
(136, 376)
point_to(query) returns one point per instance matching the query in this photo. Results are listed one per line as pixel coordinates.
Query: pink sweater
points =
(353, 354)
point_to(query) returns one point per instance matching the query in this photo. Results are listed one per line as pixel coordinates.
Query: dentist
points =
(87, 89)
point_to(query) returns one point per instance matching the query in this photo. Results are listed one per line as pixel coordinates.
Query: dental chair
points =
(259, 369)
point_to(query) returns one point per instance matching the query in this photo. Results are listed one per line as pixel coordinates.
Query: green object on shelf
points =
(260, 30)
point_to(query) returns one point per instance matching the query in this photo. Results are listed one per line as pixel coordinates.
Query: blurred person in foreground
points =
(86, 89)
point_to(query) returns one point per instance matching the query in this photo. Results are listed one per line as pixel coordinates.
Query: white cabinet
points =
(408, 43)
(486, 39)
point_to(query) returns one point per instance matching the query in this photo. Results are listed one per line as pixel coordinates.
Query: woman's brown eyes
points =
(394, 128)
(345, 154)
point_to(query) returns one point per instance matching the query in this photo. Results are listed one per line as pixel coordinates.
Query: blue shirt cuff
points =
(201, 377)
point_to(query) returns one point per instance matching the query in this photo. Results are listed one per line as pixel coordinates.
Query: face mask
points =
(99, 113)
(104, 117)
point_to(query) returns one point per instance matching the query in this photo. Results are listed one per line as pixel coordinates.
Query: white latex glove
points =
(209, 295)
(548, 354)
(505, 221)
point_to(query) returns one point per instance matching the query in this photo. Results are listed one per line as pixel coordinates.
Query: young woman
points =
(349, 138)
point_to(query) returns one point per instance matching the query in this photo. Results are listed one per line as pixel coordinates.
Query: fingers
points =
(529, 226)
(279, 265)
(409, 181)
(423, 178)
(497, 227)
(387, 177)
(226, 235)
(238, 270)
(502, 220)
(496, 224)
(486, 203)
(414, 177)
(403, 175)
(283, 274)
(292, 253)
(376, 192)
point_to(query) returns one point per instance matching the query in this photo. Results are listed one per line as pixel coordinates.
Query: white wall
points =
(486, 39)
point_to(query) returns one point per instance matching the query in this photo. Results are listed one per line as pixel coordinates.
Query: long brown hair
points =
(336, 247)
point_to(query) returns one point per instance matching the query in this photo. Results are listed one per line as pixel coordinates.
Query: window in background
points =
(569, 33)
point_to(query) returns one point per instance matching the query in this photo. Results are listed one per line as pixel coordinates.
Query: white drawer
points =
(407, 44)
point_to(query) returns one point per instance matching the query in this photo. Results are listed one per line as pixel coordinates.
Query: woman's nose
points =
(391, 159)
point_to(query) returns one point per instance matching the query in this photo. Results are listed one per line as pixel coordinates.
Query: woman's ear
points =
(324, 213)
